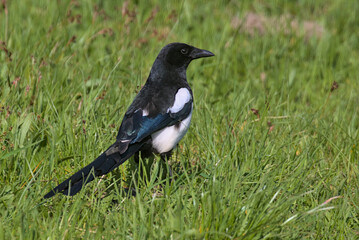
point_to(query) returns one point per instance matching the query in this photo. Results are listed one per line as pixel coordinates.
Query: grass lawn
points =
(273, 148)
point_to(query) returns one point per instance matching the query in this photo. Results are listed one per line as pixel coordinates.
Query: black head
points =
(179, 55)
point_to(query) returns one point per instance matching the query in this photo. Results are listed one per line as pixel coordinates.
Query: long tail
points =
(100, 166)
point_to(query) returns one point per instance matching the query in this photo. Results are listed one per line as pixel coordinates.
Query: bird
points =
(154, 123)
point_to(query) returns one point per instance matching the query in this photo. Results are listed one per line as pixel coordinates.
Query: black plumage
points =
(156, 120)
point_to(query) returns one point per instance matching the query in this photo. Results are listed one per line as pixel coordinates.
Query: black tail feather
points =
(100, 166)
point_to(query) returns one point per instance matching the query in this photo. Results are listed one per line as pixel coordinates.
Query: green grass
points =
(75, 68)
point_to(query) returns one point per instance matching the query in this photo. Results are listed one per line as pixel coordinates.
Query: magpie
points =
(155, 122)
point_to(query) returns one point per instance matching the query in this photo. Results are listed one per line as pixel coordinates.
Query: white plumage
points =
(166, 139)
(182, 97)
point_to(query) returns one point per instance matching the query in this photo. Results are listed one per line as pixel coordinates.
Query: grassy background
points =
(70, 69)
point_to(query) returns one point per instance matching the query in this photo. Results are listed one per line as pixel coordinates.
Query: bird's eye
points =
(184, 51)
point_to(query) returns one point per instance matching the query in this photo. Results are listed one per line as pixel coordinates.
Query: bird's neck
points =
(161, 72)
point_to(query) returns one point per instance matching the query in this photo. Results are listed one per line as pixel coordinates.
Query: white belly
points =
(166, 139)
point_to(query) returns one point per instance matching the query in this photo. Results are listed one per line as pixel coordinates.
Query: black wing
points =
(136, 127)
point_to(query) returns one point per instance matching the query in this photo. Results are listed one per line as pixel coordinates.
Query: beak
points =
(200, 53)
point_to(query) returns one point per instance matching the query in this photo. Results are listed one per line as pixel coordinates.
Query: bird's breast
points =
(167, 138)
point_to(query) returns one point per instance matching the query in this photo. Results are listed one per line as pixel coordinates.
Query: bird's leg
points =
(136, 157)
(165, 157)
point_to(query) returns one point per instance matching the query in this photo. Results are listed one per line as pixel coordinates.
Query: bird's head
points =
(179, 55)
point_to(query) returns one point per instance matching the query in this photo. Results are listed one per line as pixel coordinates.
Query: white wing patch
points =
(144, 112)
(182, 97)
(166, 139)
